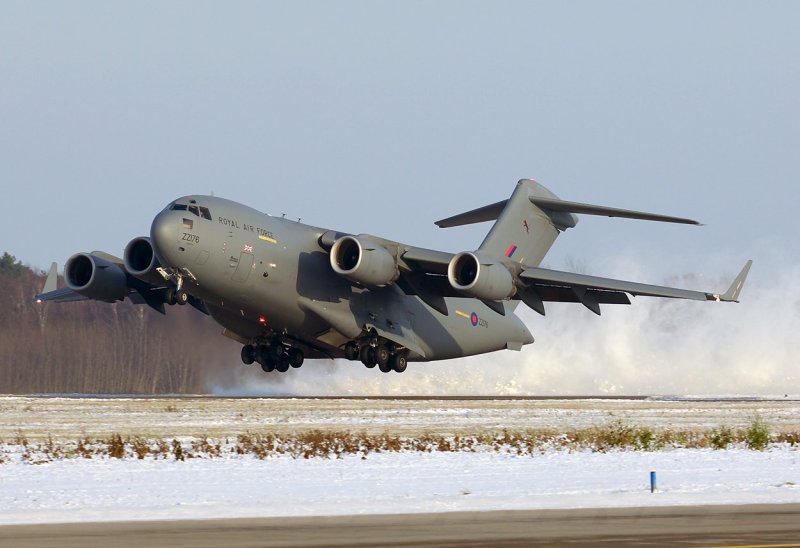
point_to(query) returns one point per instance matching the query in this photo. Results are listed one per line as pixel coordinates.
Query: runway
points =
(68, 417)
(751, 525)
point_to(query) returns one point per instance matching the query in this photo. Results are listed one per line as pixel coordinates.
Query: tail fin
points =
(523, 232)
(529, 222)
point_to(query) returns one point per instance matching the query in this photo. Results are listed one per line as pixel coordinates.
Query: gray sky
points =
(384, 117)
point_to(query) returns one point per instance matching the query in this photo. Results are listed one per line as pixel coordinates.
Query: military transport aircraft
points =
(288, 291)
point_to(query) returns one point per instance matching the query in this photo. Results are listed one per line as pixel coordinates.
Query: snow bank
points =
(101, 489)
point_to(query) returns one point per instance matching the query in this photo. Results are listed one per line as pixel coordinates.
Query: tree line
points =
(99, 348)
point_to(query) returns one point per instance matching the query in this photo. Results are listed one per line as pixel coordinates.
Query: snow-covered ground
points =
(101, 489)
(241, 485)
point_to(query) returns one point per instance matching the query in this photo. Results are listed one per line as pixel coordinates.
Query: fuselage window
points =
(205, 213)
(193, 209)
(178, 207)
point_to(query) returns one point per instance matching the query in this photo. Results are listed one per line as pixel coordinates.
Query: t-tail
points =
(528, 223)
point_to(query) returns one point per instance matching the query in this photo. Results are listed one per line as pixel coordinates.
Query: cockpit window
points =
(200, 211)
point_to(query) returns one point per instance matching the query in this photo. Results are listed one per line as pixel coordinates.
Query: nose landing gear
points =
(176, 295)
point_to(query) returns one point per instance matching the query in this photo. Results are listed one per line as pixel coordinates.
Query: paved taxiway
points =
(751, 525)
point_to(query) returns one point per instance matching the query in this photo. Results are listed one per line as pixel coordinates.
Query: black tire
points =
(267, 366)
(263, 354)
(181, 297)
(282, 364)
(385, 368)
(367, 356)
(169, 296)
(399, 362)
(248, 354)
(351, 351)
(382, 355)
(277, 351)
(296, 358)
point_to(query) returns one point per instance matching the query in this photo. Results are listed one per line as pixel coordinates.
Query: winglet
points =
(732, 294)
(51, 284)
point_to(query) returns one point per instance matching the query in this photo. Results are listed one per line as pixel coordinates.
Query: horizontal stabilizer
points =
(550, 204)
(480, 215)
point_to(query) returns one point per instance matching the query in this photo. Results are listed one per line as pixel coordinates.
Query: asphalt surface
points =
(752, 525)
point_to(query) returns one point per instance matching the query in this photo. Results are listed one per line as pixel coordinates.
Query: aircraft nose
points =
(164, 235)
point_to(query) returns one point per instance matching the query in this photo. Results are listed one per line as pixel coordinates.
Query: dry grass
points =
(333, 445)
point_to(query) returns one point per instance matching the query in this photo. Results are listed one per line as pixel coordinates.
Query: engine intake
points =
(141, 261)
(483, 280)
(95, 277)
(364, 261)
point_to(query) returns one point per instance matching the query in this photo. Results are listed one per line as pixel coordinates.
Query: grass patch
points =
(616, 436)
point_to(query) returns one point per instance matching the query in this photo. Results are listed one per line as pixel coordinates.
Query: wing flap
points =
(546, 276)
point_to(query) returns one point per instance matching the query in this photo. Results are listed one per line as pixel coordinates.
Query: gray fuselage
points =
(259, 274)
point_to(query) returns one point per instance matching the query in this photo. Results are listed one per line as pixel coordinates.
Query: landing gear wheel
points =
(248, 354)
(382, 355)
(169, 296)
(264, 358)
(384, 367)
(283, 363)
(181, 297)
(351, 351)
(399, 362)
(367, 356)
(296, 357)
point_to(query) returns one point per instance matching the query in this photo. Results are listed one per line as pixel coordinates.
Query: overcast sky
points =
(384, 117)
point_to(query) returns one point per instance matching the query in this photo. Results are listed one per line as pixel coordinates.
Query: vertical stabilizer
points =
(523, 232)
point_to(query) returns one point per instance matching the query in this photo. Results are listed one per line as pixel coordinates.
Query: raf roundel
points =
(474, 319)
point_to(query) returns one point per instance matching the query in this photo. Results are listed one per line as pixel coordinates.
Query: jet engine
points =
(361, 260)
(141, 262)
(95, 277)
(480, 279)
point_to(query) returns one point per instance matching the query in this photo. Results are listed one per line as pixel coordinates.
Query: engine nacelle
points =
(96, 277)
(361, 260)
(483, 280)
(141, 262)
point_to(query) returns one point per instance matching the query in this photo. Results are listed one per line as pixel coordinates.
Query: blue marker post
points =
(652, 482)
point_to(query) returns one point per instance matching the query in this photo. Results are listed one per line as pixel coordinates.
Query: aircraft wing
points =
(424, 273)
(587, 289)
(52, 293)
(427, 260)
(139, 291)
(62, 295)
